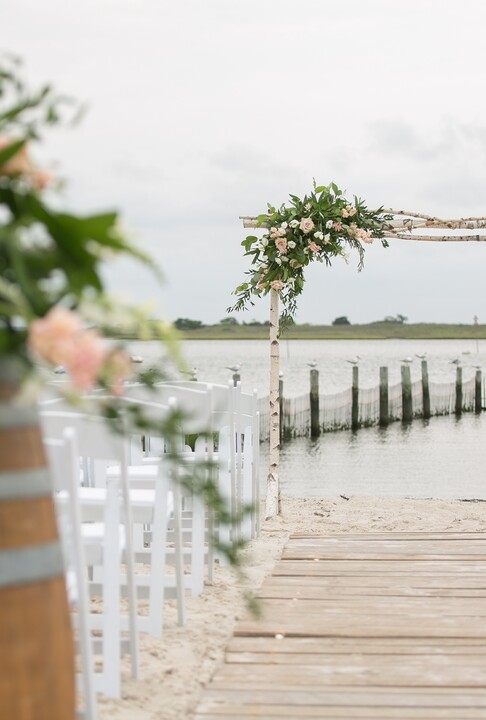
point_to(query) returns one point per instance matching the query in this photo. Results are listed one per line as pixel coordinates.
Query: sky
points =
(199, 111)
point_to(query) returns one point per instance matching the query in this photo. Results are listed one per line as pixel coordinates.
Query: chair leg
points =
(179, 556)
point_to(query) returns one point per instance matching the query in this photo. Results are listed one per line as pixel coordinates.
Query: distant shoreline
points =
(372, 331)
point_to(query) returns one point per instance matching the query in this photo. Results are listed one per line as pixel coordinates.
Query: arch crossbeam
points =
(405, 223)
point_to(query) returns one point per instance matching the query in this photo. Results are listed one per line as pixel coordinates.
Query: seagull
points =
(233, 368)
(192, 373)
(456, 361)
(407, 360)
(355, 360)
(422, 356)
(312, 363)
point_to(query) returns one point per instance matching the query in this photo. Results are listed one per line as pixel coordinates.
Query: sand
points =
(175, 668)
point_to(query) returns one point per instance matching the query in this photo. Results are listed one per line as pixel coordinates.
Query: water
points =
(441, 458)
(212, 358)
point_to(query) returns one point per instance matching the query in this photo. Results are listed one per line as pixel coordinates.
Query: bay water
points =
(444, 457)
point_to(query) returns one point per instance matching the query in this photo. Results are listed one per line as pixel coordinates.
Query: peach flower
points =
(51, 337)
(85, 360)
(314, 247)
(276, 284)
(306, 225)
(281, 245)
(21, 164)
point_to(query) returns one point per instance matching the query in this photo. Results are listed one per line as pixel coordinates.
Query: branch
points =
(438, 238)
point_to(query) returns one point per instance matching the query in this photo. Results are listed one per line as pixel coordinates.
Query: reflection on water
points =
(442, 458)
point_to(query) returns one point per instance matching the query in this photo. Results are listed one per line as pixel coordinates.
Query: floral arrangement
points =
(319, 227)
(53, 308)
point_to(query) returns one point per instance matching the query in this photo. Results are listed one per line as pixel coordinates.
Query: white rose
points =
(291, 244)
(329, 224)
(318, 235)
(284, 259)
(283, 225)
(278, 261)
(264, 242)
(294, 224)
(327, 238)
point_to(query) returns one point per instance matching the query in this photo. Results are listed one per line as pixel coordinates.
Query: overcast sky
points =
(204, 110)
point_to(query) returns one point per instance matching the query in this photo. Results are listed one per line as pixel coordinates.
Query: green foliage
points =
(321, 226)
(188, 324)
(229, 321)
(343, 320)
(401, 319)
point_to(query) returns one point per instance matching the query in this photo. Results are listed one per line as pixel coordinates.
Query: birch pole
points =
(272, 504)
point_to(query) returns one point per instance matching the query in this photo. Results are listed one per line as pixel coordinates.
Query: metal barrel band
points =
(19, 566)
(12, 415)
(17, 484)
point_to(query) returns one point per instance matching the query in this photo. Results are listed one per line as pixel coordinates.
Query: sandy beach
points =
(175, 668)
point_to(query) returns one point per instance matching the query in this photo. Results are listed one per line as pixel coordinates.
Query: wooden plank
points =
(387, 646)
(365, 626)
(228, 711)
(359, 568)
(395, 535)
(351, 697)
(325, 587)
(364, 604)
(318, 658)
(460, 671)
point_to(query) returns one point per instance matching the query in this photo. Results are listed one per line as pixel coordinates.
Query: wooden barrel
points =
(36, 643)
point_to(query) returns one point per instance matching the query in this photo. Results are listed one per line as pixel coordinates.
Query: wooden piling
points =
(407, 403)
(314, 403)
(478, 392)
(236, 378)
(458, 408)
(355, 399)
(425, 390)
(384, 406)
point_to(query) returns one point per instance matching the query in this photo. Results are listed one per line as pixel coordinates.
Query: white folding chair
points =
(63, 462)
(149, 502)
(196, 408)
(104, 512)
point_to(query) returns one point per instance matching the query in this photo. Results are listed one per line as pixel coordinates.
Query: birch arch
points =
(385, 224)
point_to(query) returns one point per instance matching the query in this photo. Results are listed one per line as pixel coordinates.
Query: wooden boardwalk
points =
(377, 625)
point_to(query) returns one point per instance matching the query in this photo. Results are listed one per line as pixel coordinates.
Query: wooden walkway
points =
(377, 625)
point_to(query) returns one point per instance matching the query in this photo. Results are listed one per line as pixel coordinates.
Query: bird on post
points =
(233, 368)
(408, 360)
(312, 363)
(355, 360)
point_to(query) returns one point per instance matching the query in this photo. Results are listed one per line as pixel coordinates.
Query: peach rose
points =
(313, 246)
(276, 284)
(306, 225)
(51, 337)
(281, 245)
